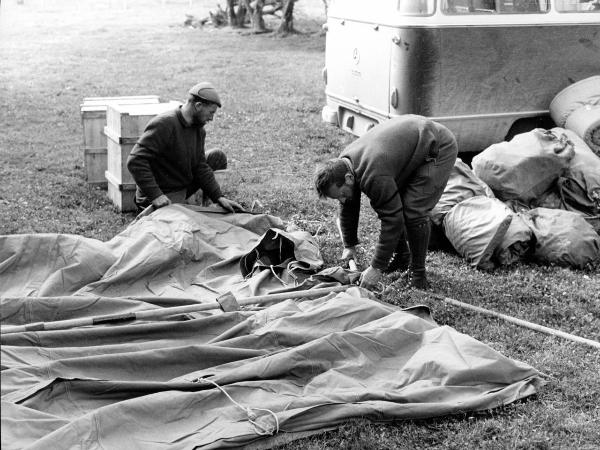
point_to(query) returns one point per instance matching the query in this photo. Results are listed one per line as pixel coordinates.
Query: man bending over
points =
(402, 166)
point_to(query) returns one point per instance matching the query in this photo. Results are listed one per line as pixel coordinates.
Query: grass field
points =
(56, 52)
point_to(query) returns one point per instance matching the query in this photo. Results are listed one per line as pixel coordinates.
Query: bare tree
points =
(256, 15)
(236, 17)
(238, 12)
(231, 16)
(287, 18)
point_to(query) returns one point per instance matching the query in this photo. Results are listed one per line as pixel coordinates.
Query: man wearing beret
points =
(168, 162)
(402, 166)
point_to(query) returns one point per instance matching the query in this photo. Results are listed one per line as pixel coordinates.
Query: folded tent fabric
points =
(279, 248)
(177, 251)
(312, 364)
(47, 264)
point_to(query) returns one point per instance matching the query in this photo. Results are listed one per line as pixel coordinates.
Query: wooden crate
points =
(125, 123)
(94, 162)
(129, 121)
(122, 195)
(93, 116)
(118, 150)
(93, 119)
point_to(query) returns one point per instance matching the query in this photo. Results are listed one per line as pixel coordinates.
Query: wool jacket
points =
(382, 161)
(170, 157)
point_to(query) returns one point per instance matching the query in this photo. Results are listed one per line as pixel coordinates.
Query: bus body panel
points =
(479, 80)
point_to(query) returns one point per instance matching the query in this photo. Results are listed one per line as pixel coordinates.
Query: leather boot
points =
(401, 258)
(418, 241)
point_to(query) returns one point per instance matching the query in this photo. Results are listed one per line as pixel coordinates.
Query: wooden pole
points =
(165, 312)
(516, 321)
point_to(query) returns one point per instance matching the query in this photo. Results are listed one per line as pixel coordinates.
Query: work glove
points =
(370, 277)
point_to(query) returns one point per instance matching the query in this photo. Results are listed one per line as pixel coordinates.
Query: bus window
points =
(494, 6)
(416, 7)
(578, 5)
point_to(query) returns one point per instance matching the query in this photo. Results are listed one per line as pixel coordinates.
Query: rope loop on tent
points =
(252, 417)
(276, 276)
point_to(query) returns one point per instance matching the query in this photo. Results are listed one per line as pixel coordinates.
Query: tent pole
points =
(516, 321)
(165, 312)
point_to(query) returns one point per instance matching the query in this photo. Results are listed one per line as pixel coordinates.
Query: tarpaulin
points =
(176, 251)
(207, 380)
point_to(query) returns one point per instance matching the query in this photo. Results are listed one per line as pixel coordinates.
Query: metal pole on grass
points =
(520, 322)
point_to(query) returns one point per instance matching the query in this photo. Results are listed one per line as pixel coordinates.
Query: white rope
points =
(276, 276)
(258, 429)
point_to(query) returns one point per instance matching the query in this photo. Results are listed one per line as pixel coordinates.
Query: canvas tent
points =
(215, 379)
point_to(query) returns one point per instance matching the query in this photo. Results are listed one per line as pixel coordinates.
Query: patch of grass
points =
(271, 129)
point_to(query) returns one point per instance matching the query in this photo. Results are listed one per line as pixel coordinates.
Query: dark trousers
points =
(426, 185)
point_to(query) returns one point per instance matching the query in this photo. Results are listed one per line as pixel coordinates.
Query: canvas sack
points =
(462, 184)
(475, 227)
(524, 168)
(563, 237)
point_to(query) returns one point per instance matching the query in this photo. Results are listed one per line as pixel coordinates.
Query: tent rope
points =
(258, 429)
(276, 276)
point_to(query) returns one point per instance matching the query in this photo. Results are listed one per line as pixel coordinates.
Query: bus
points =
(486, 69)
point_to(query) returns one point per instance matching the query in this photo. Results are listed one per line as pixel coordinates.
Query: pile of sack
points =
(535, 197)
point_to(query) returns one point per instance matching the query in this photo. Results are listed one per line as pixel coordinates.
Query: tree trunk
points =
(231, 17)
(256, 18)
(236, 18)
(241, 14)
(287, 18)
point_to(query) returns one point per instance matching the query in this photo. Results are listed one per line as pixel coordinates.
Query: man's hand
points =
(370, 277)
(349, 253)
(160, 201)
(230, 205)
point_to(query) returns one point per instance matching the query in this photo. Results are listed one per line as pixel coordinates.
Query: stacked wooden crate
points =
(124, 125)
(93, 119)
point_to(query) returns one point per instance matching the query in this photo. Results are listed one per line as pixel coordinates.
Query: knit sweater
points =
(169, 157)
(382, 161)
